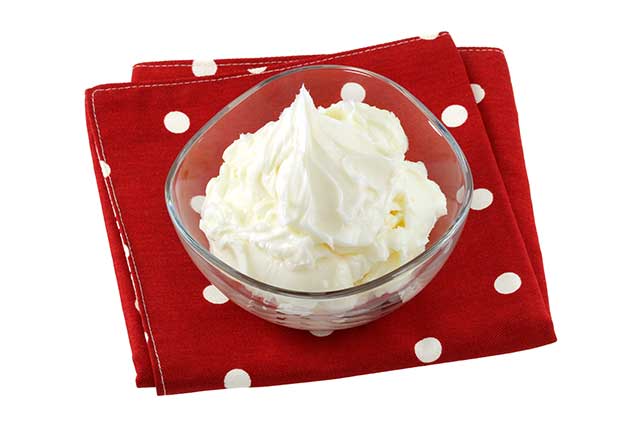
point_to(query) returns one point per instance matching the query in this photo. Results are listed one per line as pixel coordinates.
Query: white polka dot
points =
(409, 292)
(237, 378)
(176, 122)
(106, 169)
(196, 203)
(507, 283)
(257, 70)
(429, 36)
(460, 195)
(428, 350)
(478, 92)
(136, 305)
(205, 67)
(146, 336)
(213, 295)
(325, 333)
(454, 115)
(353, 92)
(481, 199)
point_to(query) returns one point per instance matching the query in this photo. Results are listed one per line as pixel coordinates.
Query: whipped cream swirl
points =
(321, 199)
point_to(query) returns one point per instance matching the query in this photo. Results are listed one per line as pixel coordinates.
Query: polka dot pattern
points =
(409, 292)
(454, 115)
(321, 333)
(213, 295)
(481, 199)
(428, 350)
(352, 92)
(507, 283)
(196, 203)
(429, 36)
(257, 70)
(478, 92)
(206, 67)
(237, 378)
(176, 122)
(105, 168)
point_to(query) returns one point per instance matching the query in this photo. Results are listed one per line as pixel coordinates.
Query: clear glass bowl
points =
(429, 141)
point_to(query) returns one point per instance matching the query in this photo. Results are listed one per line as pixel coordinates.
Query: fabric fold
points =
(181, 342)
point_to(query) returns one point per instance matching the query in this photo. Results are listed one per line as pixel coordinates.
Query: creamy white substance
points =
(321, 199)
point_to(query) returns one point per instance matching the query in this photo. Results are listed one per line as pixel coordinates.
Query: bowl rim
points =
(457, 224)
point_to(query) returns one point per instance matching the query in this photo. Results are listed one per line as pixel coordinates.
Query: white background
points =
(65, 356)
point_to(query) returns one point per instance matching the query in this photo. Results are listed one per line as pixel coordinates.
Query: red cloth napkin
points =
(490, 297)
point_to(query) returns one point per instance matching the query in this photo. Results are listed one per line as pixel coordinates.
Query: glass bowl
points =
(429, 142)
